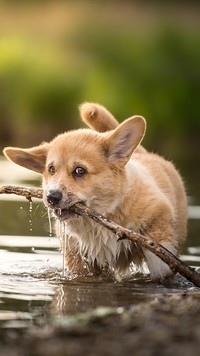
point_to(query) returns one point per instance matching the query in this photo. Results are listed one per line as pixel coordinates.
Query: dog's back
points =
(170, 183)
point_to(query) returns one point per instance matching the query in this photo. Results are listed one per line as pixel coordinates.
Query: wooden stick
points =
(28, 193)
(175, 264)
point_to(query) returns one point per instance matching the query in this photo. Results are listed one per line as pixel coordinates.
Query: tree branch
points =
(28, 193)
(175, 264)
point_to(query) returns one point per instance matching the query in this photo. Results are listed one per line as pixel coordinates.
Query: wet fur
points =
(137, 189)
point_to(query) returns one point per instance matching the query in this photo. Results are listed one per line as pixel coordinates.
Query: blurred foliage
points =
(158, 79)
(37, 93)
(150, 67)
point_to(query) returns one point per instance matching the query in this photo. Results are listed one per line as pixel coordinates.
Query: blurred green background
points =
(134, 57)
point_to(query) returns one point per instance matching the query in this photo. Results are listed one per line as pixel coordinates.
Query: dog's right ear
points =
(97, 117)
(120, 143)
(30, 158)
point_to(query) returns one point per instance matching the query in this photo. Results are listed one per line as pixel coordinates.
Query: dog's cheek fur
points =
(105, 191)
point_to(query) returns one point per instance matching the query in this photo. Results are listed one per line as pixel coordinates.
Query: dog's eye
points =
(52, 170)
(79, 172)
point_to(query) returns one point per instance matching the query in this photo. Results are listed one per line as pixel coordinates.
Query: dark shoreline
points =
(168, 325)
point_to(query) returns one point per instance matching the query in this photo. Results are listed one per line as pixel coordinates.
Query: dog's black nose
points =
(54, 197)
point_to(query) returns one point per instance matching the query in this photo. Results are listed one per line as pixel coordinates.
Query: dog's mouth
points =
(64, 214)
(63, 210)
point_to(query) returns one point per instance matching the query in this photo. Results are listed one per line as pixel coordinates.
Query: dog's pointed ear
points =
(121, 143)
(97, 117)
(31, 158)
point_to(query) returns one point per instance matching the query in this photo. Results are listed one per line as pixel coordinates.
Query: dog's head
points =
(83, 166)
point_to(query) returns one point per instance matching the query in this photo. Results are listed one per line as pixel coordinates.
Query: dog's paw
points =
(158, 269)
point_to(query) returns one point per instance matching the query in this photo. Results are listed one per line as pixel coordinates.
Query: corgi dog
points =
(105, 167)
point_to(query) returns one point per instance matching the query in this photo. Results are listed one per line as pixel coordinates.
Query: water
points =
(33, 289)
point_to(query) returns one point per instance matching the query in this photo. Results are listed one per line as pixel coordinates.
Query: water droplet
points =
(30, 207)
(30, 215)
(32, 248)
(64, 238)
(50, 224)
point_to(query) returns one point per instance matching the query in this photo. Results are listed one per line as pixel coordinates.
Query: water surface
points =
(33, 290)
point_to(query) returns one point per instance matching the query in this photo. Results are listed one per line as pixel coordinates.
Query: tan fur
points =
(97, 117)
(100, 119)
(139, 190)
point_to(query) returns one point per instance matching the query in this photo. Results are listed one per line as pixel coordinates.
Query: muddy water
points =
(33, 290)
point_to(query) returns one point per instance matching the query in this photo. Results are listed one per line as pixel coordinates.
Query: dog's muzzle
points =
(54, 197)
(60, 206)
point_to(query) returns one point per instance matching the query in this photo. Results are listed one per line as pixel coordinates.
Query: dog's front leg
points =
(165, 236)
(76, 264)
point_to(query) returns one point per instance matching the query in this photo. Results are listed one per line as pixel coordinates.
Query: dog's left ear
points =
(121, 142)
(30, 158)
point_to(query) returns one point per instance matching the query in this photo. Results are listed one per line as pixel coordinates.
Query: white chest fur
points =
(96, 242)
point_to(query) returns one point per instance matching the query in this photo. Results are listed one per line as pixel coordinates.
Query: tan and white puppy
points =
(108, 170)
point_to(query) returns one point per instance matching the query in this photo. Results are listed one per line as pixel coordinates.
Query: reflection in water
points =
(79, 296)
(32, 283)
(72, 297)
(25, 274)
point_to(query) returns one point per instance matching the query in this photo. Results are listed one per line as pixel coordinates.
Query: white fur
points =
(96, 242)
(159, 269)
(131, 172)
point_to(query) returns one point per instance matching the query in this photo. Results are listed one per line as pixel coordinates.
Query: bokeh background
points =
(134, 57)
